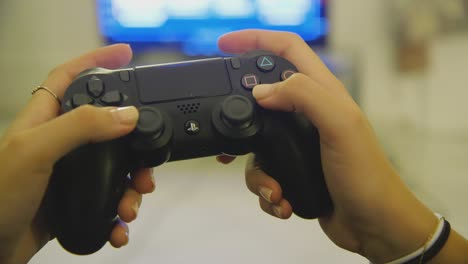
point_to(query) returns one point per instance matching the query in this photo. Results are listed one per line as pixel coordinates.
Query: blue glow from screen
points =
(194, 25)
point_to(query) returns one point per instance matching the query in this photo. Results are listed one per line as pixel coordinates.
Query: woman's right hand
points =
(375, 214)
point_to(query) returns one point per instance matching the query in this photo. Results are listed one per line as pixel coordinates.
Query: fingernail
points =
(120, 43)
(127, 235)
(263, 91)
(135, 208)
(153, 181)
(125, 115)
(277, 211)
(265, 193)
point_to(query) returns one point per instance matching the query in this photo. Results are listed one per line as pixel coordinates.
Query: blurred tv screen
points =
(194, 25)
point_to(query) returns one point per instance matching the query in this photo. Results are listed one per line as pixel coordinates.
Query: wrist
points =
(403, 226)
(431, 247)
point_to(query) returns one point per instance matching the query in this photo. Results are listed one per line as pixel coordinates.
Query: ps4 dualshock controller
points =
(187, 110)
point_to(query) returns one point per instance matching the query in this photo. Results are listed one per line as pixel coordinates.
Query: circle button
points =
(286, 74)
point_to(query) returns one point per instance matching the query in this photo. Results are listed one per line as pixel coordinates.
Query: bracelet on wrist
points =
(431, 248)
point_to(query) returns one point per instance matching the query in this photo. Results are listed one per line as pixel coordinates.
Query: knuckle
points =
(354, 117)
(56, 70)
(86, 114)
(295, 82)
(298, 78)
(292, 36)
(15, 143)
(18, 146)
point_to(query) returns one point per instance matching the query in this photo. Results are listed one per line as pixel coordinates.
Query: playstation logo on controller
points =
(192, 127)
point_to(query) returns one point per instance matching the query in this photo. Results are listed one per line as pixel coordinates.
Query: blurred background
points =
(404, 61)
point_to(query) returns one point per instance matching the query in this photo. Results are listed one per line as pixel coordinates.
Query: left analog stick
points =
(149, 128)
(150, 122)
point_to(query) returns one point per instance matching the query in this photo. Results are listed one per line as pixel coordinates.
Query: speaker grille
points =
(188, 108)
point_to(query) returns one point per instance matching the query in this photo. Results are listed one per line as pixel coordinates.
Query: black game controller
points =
(187, 110)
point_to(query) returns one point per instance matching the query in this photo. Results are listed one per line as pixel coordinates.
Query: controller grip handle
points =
(83, 195)
(289, 151)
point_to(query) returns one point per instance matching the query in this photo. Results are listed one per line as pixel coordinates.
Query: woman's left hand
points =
(38, 137)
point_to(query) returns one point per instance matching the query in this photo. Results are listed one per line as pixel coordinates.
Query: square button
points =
(249, 81)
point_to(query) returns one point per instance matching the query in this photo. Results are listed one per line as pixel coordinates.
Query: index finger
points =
(44, 107)
(285, 44)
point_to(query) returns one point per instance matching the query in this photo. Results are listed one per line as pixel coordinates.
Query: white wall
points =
(433, 100)
(35, 36)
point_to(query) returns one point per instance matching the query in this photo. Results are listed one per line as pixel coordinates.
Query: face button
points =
(81, 99)
(113, 98)
(265, 63)
(95, 86)
(192, 127)
(235, 63)
(237, 111)
(124, 76)
(286, 74)
(249, 81)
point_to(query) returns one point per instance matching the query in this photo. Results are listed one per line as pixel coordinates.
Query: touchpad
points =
(182, 80)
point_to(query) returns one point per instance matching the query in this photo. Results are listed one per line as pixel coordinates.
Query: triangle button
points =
(266, 63)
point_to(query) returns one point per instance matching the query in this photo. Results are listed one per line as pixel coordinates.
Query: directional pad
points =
(95, 86)
(113, 98)
(81, 99)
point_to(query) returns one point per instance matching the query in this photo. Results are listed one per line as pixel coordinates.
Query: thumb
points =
(298, 93)
(86, 124)
(332, 111)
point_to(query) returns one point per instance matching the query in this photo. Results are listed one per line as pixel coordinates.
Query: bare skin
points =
(368, 194)
(38, 137)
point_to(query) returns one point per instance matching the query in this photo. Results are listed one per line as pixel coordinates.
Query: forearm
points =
(454, 251)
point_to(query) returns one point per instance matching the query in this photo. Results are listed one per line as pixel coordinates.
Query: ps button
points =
(249, 81)
(235, 63)
(192, 127)
(265, 63)
(286, 74)
(113, 98)
(81, 99)
(124, 76)
(95, 86)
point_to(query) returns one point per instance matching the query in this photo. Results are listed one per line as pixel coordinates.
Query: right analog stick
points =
(237, 112)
